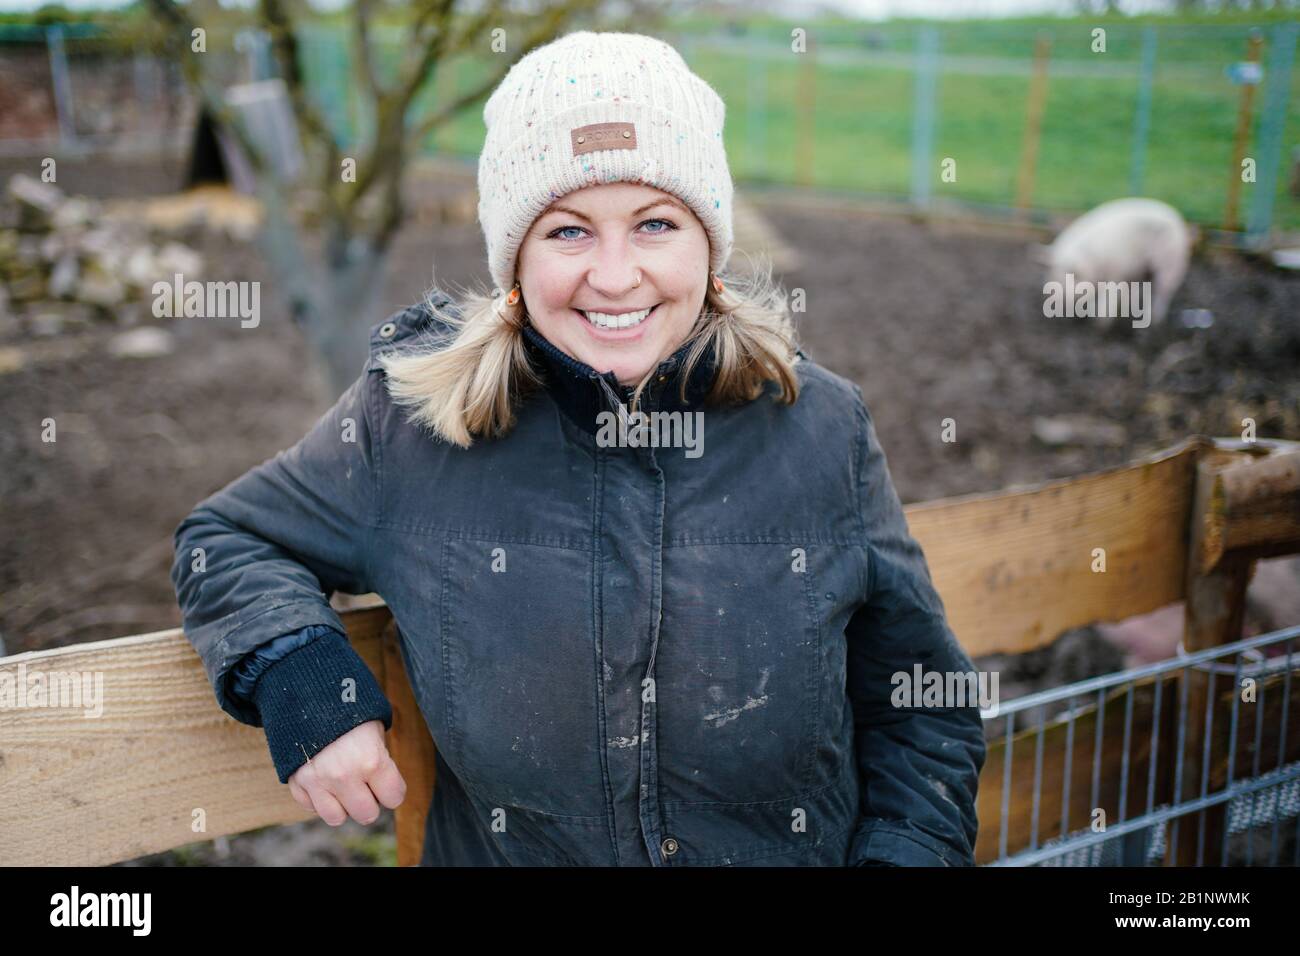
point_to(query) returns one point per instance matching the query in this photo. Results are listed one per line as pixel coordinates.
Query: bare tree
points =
(332, 293)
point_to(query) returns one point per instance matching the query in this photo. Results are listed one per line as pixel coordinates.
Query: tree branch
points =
(416, 68)
(437, 10)
(285, 44)
(363, 62)
(389, 164)
(555, 18)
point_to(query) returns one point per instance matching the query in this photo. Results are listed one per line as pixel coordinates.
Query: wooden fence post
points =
(1242, 134)
(1243, 511)
(1028, 171)
(412, 749)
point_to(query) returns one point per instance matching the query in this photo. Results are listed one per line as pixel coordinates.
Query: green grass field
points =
(863, 136)
(862, 112)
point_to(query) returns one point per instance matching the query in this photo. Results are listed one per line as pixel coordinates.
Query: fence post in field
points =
(1242, 134)
(805, 153)
(63, 103)
(756, 114)
(1142, 117)
(1033, 125)
(923, 116)
(1271, 133)
(446, 88)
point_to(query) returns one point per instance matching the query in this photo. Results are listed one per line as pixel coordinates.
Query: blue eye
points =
(669, 226)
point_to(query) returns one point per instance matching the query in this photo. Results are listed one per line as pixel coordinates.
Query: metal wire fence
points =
(926, 112)
(1248, 772)
(67, 89)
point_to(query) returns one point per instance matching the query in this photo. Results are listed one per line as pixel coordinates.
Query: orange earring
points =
(514, 295)
(717, 283)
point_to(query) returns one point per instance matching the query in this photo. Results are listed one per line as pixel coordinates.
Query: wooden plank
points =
(1081, 804)
(1253, 507)
(1014, 569)
(160, 767)
(413, 750)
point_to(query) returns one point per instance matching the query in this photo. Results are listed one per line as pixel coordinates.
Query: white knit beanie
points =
(594, 108)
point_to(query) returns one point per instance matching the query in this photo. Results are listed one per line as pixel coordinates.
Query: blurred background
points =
(901, 164)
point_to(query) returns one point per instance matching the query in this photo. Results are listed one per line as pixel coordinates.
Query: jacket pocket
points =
(520, 675)
(739, 674)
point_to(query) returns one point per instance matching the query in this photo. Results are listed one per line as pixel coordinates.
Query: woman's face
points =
(578, 268)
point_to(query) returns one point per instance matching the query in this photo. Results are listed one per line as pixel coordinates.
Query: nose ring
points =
(638, 278)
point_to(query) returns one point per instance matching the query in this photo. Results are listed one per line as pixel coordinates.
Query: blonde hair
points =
(465, 383)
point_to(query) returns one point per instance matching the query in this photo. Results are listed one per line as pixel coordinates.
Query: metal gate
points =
(1245, 780)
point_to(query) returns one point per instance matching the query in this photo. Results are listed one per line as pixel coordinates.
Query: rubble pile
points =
(68, 262)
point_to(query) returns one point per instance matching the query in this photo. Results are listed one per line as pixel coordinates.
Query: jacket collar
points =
(582, 393)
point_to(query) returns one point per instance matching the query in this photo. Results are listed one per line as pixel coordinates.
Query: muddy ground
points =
(932, 322)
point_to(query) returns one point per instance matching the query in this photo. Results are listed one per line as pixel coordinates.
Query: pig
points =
(1125, 240)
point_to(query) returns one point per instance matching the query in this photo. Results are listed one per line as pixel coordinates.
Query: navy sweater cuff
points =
(302, 703)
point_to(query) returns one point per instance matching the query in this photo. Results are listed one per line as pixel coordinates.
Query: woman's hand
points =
(347, 777)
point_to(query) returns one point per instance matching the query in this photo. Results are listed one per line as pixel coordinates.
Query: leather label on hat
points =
(603, 136)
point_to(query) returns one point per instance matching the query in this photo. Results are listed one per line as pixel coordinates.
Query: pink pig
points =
(1125, 240)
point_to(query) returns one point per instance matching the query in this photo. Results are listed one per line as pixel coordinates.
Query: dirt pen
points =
(1014, 570)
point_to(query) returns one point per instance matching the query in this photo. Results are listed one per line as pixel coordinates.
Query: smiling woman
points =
(626, 656)
(617, 277)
